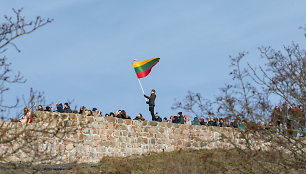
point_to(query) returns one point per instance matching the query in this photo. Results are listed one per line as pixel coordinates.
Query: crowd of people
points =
(290, 120)
(177, 119)
(284, 118)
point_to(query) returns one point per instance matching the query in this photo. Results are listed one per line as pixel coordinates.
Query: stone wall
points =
(110, 136)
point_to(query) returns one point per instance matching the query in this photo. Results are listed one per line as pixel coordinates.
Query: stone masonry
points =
(110, 136)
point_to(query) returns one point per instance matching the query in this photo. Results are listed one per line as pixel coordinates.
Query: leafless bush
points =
(11, 28)
(251, 97)
(34, 140)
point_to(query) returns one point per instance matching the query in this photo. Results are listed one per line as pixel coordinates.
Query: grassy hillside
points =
(185, 162)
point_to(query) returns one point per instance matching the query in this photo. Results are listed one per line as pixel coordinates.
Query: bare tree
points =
(195, 104)
(28, 141)
(11, 28)
(251, 97)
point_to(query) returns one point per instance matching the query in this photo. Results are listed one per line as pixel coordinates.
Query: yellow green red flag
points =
(143, 68)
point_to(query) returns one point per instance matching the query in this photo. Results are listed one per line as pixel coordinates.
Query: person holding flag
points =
(142, 69)
(151, 103)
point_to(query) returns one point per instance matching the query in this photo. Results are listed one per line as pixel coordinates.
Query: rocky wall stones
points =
(97, 137)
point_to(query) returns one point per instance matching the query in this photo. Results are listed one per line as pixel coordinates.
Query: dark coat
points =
(158, 119)
(123, 116)
(151, 101)
(276, 116)
(210, 123)
(234, 124)
(137, 118)
(181, 119)
(221, 124)
(195, 121)
(67, 110)
(176, 119)
(59, 108)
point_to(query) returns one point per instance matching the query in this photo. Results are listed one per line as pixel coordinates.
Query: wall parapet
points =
(109, 136)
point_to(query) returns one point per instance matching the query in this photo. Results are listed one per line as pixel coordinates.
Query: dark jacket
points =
(59, 108)
(221, 124)
(123, 116)
(67, 110)
(276, 116)
(151, 101)
(210, 123)
(176, 119)
(181, 118)
(234, 124)
(137, 118)
(159, 119)
(195, 121)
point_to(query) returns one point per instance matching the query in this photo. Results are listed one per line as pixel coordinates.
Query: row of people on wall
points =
(177, 119)
(288, 118)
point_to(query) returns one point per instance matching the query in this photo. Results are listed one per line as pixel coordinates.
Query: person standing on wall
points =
(151, 103)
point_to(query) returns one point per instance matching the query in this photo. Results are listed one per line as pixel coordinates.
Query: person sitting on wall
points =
(226, 123)
(195, 121)
(40, 108)
(171, 119)
(124, 116)
(139, 117)
(210, 122)
(87, 112)
(215, 121)
(118, 114)
(202, 121)
(67, 108)
(221, 122)
(59, 108)
(96, 112)
(234, 123)
(82, 110)
(179, 118)
(158, 118)
(242, 126)
(187, 120)
(27, 117)
(48, 109)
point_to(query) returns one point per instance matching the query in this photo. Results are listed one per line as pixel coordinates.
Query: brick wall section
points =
(118, 137)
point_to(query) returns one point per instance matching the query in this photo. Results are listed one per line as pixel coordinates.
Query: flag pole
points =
(140, 83)
(141, 86)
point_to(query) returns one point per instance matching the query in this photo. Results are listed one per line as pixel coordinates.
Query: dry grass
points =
(185, 162)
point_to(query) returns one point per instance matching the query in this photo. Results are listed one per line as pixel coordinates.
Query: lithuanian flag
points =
(143, 68)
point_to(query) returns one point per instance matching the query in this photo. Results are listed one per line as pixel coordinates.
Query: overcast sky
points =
(86, 53)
